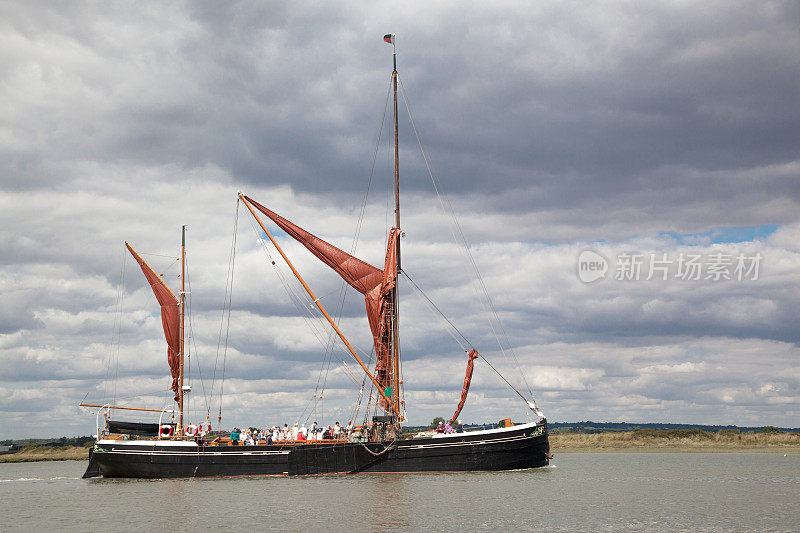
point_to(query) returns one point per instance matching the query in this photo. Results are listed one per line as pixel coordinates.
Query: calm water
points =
(580, 492)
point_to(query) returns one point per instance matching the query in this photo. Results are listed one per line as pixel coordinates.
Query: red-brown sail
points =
(375, 284)
(170, 318)
(467, 379)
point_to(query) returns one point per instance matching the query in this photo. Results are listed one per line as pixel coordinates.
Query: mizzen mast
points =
(183, 321)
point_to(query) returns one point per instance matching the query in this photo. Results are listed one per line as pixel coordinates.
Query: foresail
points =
(170, 317)
(467, 380)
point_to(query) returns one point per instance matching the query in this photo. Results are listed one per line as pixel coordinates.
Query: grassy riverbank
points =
(676, 441)
(643, 440)
(46, 453)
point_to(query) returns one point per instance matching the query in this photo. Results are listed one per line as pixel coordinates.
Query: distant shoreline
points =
(46, 453)
(677, 449)
(686, 441)
(642, 441)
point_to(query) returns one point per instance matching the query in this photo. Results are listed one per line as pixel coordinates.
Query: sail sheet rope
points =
(459, 238)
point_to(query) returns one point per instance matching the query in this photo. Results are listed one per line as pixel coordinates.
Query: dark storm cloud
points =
(574, 110)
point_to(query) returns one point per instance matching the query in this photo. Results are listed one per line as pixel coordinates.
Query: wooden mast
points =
(183, 320)
(311, 294)
(395, 301)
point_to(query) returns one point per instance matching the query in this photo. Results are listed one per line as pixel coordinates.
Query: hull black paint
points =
(526, 447)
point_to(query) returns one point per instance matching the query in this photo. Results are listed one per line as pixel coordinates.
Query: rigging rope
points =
(389, 447)
(227, 298)
(113, 359)
(438, 312)
(456, 228)
(333, 339)
(194, 344)
(310, 315)
(432, 306)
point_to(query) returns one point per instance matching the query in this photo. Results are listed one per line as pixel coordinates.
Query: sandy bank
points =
(654, 441)
(46, 453)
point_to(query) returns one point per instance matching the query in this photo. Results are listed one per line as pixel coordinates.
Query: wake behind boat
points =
(171, 449)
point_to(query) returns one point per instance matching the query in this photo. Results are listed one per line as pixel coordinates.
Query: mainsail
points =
(170, 318)
(375, 284)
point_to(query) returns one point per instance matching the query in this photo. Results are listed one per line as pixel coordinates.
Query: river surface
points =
(579, 492)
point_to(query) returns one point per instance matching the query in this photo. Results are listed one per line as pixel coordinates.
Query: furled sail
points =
(375, 284)
(170, 318)
(467, 379)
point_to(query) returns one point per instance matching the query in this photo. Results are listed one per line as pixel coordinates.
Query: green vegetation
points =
(61, 449)
(673, 434)
(52, 442)
(677, 440)
(33, 452)
(435, 422)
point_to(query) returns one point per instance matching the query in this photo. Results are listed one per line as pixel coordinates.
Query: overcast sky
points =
(639, 131)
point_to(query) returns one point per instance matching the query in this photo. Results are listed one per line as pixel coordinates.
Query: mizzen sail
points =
(170, 318)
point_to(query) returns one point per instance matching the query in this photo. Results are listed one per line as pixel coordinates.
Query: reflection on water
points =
(386, 501)
(579, 492)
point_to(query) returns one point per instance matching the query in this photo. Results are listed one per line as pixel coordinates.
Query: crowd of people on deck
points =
(299, 433)
(448, 427)
(296, 433)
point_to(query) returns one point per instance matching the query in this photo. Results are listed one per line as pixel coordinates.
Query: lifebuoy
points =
(165, 431)
(191, 430)
(204, 428)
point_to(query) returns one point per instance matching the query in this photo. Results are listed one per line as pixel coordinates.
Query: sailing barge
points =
(137, 450)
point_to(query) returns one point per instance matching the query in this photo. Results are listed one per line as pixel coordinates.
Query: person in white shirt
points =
(295, 431)
(337, 430)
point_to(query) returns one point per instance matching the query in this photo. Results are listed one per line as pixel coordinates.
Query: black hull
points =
(93, 470)
(525, 447)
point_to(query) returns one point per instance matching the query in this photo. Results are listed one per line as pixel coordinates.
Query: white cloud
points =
(612, 129)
